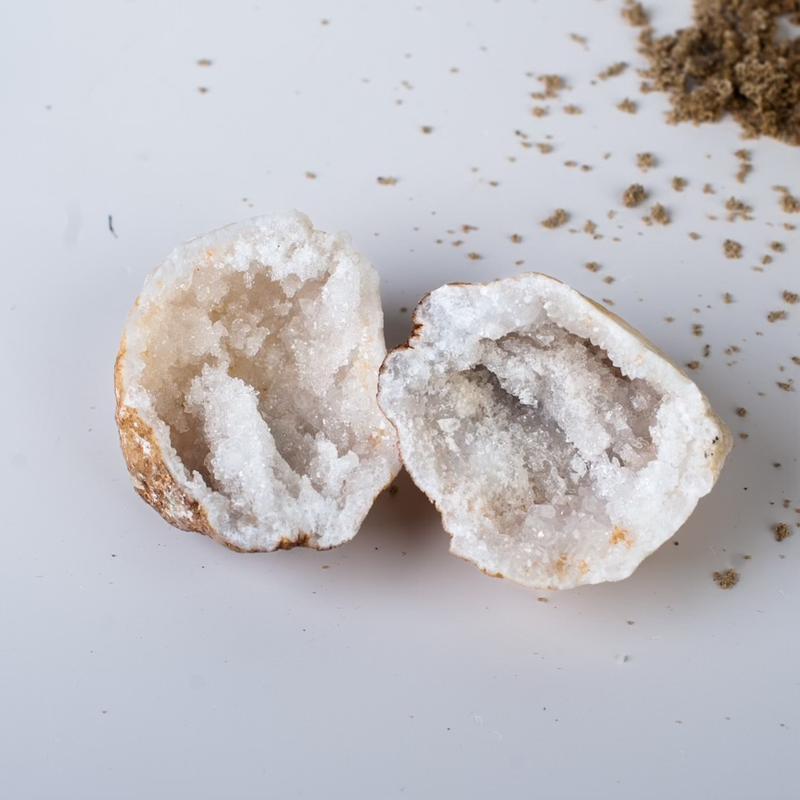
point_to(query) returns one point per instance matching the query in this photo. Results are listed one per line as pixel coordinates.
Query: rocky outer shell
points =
(720, 453)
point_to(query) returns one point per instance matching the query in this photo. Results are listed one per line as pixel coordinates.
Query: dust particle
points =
(573, 109)
(426, 129)
(516, 238)
(727, 298)
(474, 256)
(204, 62)
(694, 235)
(708, 189)
(741, 411)
(593, 266)
(776, 316)
(628, 106)
(679, 184)
(386, 181)
(790, 297)
(544, 147)
(777, 247)
(312, 176)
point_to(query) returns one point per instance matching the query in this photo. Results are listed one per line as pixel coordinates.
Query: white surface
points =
(137, 661)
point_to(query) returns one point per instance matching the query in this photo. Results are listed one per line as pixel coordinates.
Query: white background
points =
(138, 661)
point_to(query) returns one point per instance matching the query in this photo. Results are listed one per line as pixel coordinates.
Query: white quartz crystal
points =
(560, 447)
(253, 353)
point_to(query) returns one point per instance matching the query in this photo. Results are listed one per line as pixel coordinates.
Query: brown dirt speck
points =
(612, 71)
(660, 214)
(634, 195)
(726, 579)
(558, 218)
(789, 203)
(781, 531)
(732, 249)
(738, 209)
(646, 161)
(634, 14)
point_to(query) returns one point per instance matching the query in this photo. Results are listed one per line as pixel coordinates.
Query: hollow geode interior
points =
(254, 353)
(560, 446)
